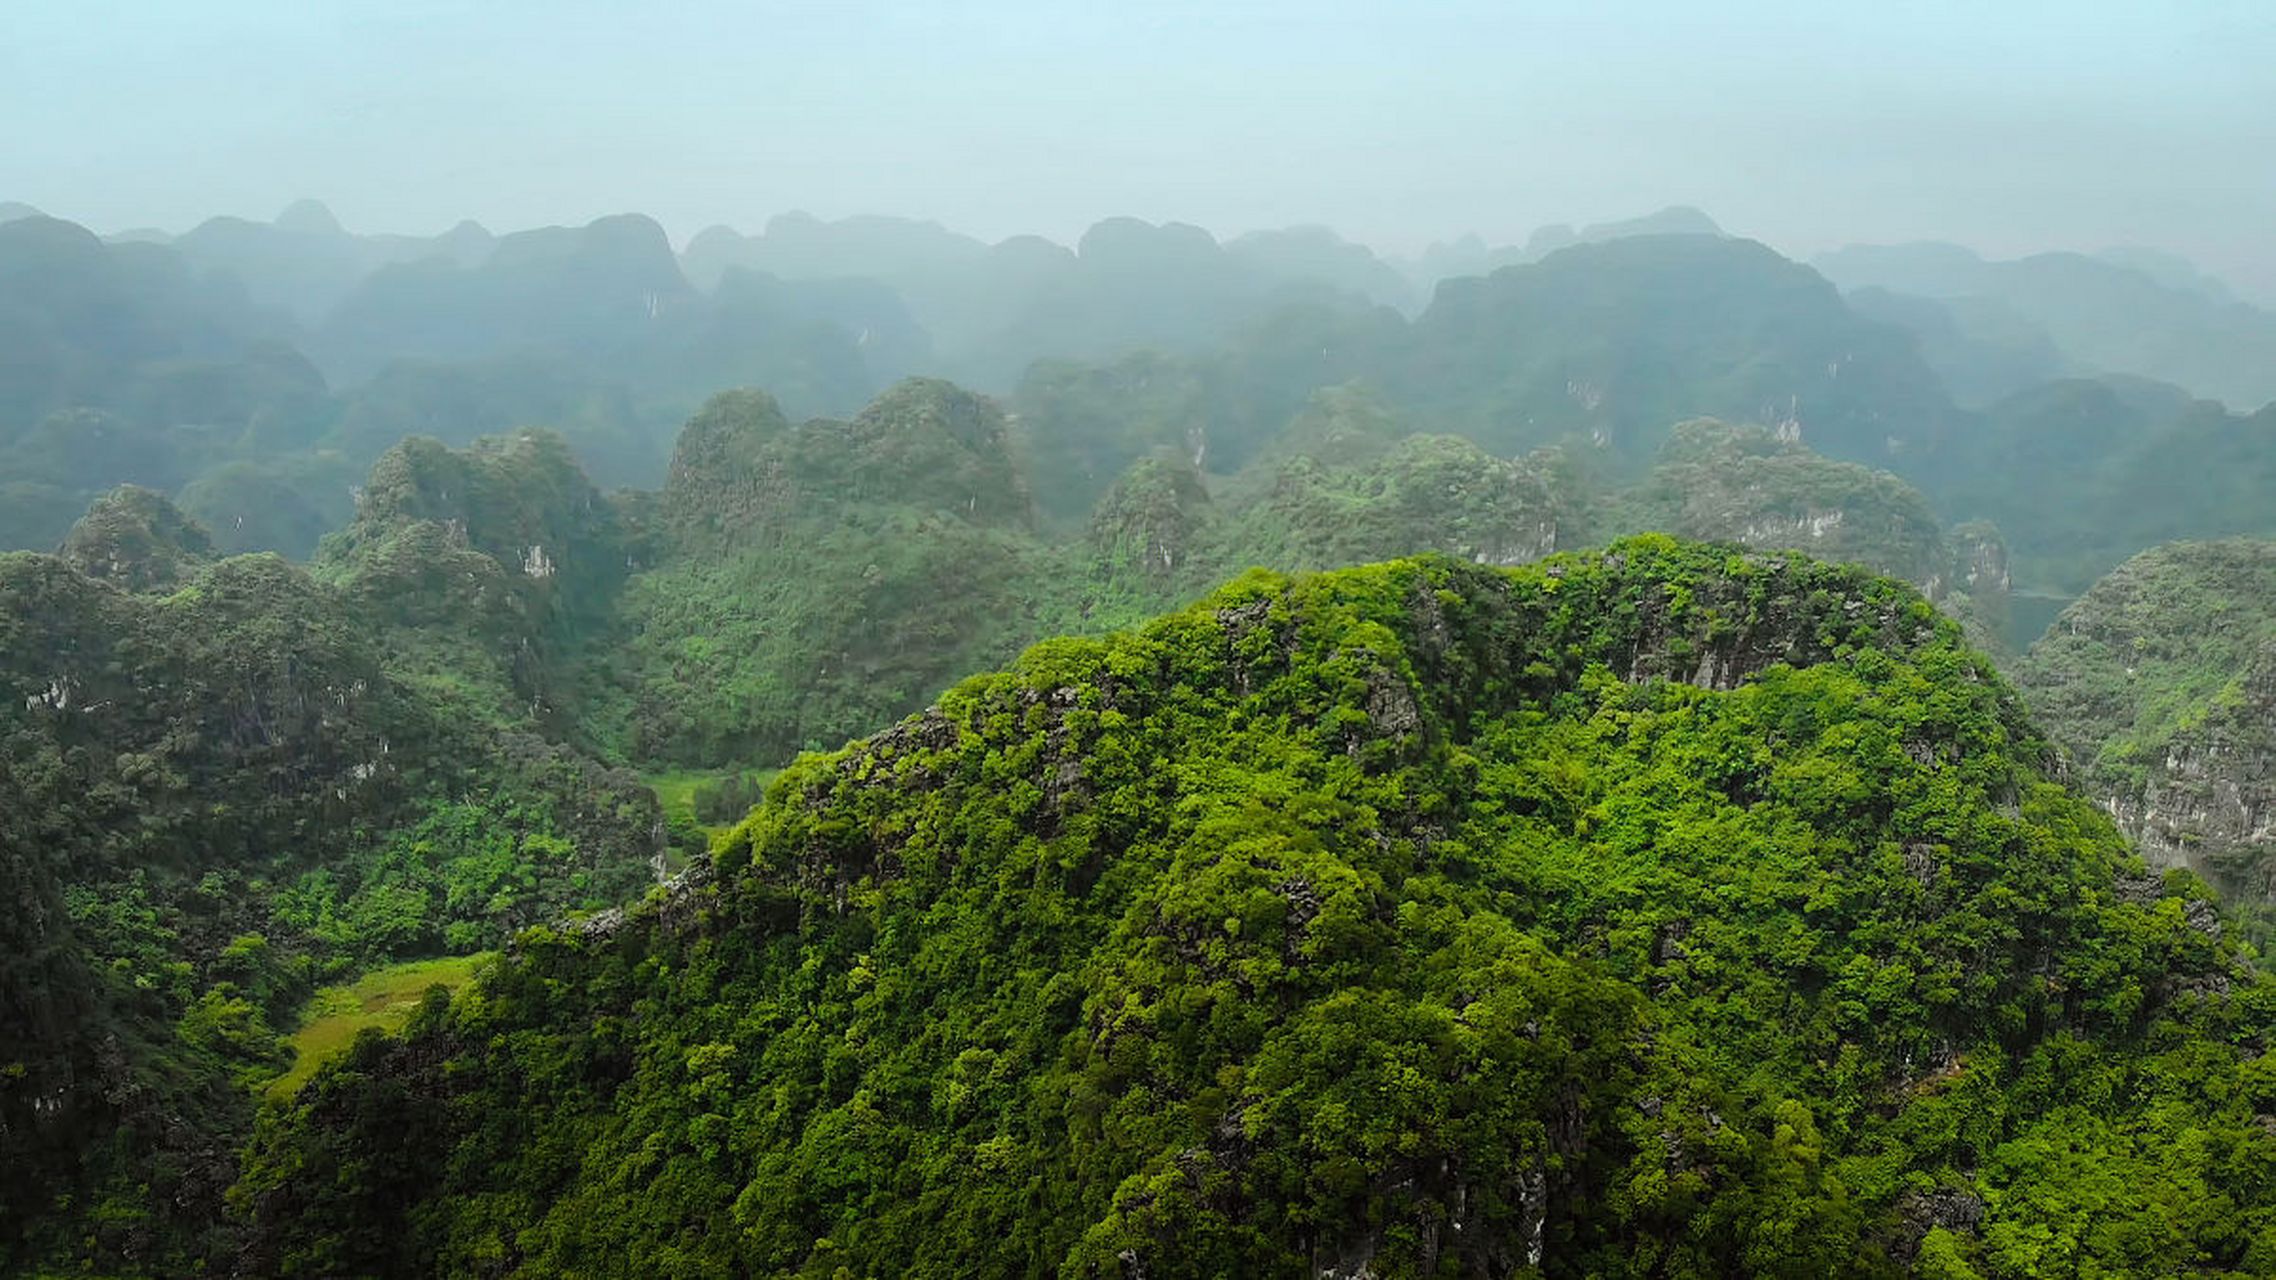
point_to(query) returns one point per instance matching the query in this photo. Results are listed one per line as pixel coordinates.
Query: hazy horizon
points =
(2034, 127)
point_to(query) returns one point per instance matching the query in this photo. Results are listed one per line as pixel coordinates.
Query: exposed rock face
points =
(1761, 487)
(2208, 802)
(1979, 573)
(1980, 557)
(2161, 684)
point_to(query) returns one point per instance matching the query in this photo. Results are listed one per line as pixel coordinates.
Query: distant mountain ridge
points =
(2125, 311)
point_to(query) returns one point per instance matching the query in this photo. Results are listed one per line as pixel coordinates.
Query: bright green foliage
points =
(1150, 529)
(1435, 493)
(217, 797)
(2161, 682)
(2153, 648)
(485, 567)
(1663, 911)
(821, 579)
(1159, 537)
(385, 998)
(813, 582)
(1747, 485)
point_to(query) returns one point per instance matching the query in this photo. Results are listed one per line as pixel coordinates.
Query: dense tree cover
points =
(795, 584)
(143, 363)
(610, 296)
(2161, 682)
(1668, 910)
(1745, 484)
(1724, 483)
(1680, 978)
(811, 582)
(222, 787)
(138, 540)
(1612, 342)
(122, 367)
(1598, 347)
(817, 579)
(2082, 474)
(486, 568)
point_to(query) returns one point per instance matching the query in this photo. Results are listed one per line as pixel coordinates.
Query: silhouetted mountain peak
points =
(309, 217)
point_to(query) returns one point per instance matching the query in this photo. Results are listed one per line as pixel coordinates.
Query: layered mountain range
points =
(1697, 905)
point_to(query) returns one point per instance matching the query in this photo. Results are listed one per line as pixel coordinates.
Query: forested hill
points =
(798, 584)
(1672, 909)
(2161, 681)
(1659, 911)
(222, 786)
(253, 372)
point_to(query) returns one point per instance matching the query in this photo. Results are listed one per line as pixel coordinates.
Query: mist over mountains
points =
(1549, 641)
(1554, 695)
(248, 359)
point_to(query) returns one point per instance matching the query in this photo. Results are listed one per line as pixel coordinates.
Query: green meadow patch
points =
(384, 998)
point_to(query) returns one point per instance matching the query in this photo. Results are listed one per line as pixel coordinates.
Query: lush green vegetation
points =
(383, 1000)
(733, 647)
(2161, 682)
(146, 364)
(1408, 918)
(706, 800)
(223, 789)
(1676, 910)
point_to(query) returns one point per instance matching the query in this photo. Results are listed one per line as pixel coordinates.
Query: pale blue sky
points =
(2010, 125)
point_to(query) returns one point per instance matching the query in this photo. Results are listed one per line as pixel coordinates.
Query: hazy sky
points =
(2009, 125)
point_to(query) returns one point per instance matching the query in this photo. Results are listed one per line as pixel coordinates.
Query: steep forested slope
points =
(1664, 911)
(148, 364)
(1742, 484)
(2082, 474)
(798, 583)
(219, 791)
(812, 582)
(813, 579)
(1395, 920)
(2161, 681)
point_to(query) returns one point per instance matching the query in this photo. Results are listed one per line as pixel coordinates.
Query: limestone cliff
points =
(2161, 684)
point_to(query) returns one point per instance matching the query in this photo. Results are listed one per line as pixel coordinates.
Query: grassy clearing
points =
(384, 998)
(675, 790)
